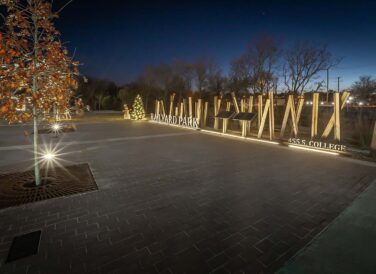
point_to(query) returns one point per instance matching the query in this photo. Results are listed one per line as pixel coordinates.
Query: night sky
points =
(116, 39)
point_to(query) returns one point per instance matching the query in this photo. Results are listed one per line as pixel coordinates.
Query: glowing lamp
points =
(56, 127)
(49, 156)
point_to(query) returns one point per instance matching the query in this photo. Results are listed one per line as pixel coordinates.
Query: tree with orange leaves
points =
(36, 73)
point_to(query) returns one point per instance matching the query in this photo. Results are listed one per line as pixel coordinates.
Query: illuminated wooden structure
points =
(315, 114)
(264, 107)
(217, 107)
(293, 113)
(206, 106)
(190, 106)
(267, 111)
(373, 142)
(335, 119)
(172, 97)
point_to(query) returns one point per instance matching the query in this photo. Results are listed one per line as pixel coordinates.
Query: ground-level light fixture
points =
(56, 127)
(49, 156)
(314, 150)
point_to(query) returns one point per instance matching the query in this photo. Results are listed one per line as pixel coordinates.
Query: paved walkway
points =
(178, 202)
(348, 245)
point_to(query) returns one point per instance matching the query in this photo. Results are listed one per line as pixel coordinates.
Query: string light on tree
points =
(138, 111)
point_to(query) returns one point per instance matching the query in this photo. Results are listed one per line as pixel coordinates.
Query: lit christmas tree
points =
(138, 112)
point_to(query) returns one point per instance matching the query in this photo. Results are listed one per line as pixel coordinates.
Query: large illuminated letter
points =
(315, 114)
(205, 114)
(268, 110)
(172, 97)
(290, 109)
(373, 142)
(217, 106)
(335, 121)
(162, 107)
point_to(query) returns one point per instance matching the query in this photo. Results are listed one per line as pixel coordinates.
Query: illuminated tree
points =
(36, 72)
(138, 112)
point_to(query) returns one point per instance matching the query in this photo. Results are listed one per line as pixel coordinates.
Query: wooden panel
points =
(156, 107)
(199, 111)
(172, 97)
(250, 104)
(286, 115)
(337, 117)
(315, 114)
(185, 108)
(235, 102)
(263, 118)
(330, 125)
(205, 114)
(298, 115)
(181, 109)
(216, 110)
(228, 106)
(250, 110)
(259, 110)
(271, 116)
(373, 142)
(162, 107)
(190, 106)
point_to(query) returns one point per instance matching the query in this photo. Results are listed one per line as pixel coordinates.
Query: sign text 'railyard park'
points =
(175, 120)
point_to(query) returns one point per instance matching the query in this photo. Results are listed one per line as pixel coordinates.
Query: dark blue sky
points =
(116, 39)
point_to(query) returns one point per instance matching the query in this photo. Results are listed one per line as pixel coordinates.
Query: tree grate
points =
(19, 188)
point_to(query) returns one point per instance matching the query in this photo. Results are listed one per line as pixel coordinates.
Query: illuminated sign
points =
(190, 122)
(317, 144)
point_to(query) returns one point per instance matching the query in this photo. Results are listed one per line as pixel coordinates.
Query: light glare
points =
(56, 127)
(49, 156)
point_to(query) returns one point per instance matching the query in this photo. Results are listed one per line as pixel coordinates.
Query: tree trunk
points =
(35, 113)
(35, 145)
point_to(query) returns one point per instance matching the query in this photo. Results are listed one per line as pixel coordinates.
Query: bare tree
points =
(364, 87)
(216, 81)
(200, 72)
(207, 76)
(256, 69)
(303, 62)
(239, 80)
(182, 77)
(155, 80)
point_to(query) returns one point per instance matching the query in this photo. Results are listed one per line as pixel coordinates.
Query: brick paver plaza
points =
(176, 201)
